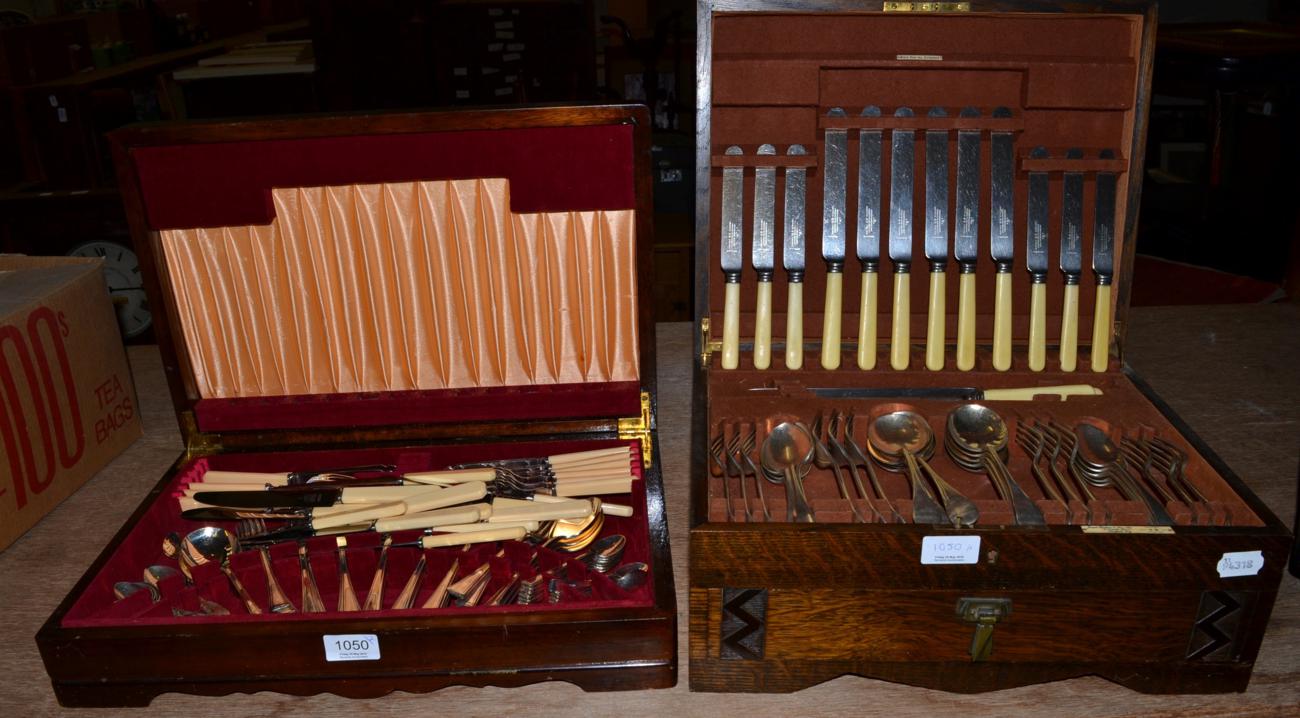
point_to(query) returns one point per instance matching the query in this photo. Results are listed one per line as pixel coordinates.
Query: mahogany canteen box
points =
(347, 307)
(947, 481)
(67, 404)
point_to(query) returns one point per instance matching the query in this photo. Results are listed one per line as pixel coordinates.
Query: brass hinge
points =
(927, 7)
(707, 345)
(197, 443)
(638, 427)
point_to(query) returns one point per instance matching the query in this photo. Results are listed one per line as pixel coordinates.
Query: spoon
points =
(605, 553)
(904, 432)
(122, 589)
(1100, 452)
(787, 451)
(211, 544)
(629, 575)
(977, 428)
(154, 575)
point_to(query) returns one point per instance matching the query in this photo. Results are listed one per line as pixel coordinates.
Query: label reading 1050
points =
(352, 647)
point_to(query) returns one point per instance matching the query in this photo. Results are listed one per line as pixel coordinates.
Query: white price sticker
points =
(352, 647)
(950, 549)
(1241, 563)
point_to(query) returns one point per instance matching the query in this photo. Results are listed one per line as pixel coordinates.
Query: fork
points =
(825, 459)
(835, 427)
(715, 452)
(733, 447)
(747, 445)
(860, 458)
(1031, 441)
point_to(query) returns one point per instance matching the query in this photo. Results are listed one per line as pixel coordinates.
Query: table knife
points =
(792, 258)
(763, 256)
(1036, 260)
(1001, 237)
(309, 498)
(1071, 262)
(868, 237)
(966, 238)
(900, 238)
(936, 238)
(1103, 264)
(733, 189)
(956, 393)
(834, 197)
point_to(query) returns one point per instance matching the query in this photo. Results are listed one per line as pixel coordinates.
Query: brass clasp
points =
(984, 613)
(639, 427)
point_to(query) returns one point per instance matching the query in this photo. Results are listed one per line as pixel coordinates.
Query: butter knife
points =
(1001, 237)
(966, 238)
(900, 238)
(733, 188)
(936, 238)
(868, 237)
(763, 256)
(1036, 260)
(793, 247)
(1071, 262)
(834, 197)
(1103, 264)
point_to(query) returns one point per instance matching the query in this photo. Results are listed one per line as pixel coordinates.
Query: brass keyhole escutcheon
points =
(984, 613)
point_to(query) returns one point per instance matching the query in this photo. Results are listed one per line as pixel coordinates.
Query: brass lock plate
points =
(985, 614)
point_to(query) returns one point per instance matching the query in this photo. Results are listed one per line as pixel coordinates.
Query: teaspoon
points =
(787, 451)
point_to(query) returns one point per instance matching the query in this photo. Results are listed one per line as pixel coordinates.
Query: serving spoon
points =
(787, 451)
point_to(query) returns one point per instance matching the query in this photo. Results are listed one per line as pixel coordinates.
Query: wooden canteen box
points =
(1011, 136)
(417, 290)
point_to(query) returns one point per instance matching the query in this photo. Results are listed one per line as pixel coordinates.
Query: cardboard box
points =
(67, 404)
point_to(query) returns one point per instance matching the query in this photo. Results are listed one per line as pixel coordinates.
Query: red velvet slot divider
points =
(228, 184)
(142, 547)
(518, 403)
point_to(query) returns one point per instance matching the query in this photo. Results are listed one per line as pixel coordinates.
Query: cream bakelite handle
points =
(364, 513)
(245, 477)
(507, 533)
(542, 512)
(441, 498)
(1070, 328)
(1002, 322)
(457, 476)
(1062, 392)
(731, 327)
(430, 519)
(594, 487)
(831, 320)
(380, 494)
(763, 327)
(794, 326)
(900, 349)
(867, 321)
(934, 333)
(1101, 329)
(1037, 326)
(966, 321)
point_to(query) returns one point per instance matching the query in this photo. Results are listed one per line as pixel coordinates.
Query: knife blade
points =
(733, 240)
(834, 198)
(868, 237)
(270, 499)
(1001, 239)
(966, 237)
(1036, 259)
(763, 256)
(793, 247)
(936, 237)
(1103, 263)
(1071, 261)
(900, 237)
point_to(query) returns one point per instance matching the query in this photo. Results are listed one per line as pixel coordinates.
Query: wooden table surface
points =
(1233, 372)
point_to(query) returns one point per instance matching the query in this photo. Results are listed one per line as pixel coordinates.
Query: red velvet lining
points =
(143, 547)
(519, 403)
(227, 184)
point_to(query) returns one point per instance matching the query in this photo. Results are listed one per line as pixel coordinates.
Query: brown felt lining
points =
(732, 402)
(1071, 81)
